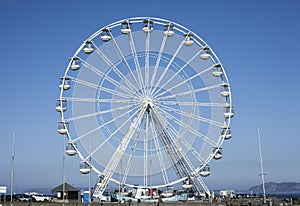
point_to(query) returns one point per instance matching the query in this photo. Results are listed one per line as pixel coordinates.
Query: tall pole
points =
(12, 168)
(89, 180)
(64, 174)
(261, 168)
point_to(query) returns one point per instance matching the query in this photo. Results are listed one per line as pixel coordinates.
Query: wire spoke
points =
(198, 104)
(194, 116)
(96, 113)
(106, 77)
(147, 67)
(189, 92)
(82, 99)
(181, 162)
(158, 59)
(107, 61)
(112, 135)
(167, 67)
(136, 62)
(186, 80)
(94, 86)
(187, 63)
(121, 55)
(159, 155)
(177, 134)
(187, 127)
(129, 162)
(105, 124)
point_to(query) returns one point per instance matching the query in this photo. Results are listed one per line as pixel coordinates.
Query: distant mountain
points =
(272, 187)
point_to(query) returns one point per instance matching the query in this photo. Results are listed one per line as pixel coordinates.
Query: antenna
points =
(261, 168)
(12, 168)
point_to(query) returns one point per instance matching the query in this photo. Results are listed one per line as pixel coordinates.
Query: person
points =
(129, 202)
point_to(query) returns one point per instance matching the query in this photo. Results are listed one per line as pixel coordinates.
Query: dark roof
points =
(68, 188)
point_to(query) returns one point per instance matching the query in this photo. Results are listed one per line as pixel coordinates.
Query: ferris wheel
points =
(145, 102)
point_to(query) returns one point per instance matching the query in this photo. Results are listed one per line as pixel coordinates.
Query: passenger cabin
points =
(88, 48)
(75, 63)
(61, 105)
(148, 25)
(187, 185)
(106, 36)
(217, 153)
(65, 83)
(225, 92)
(226, 133)
(217, 71)
(169, 30)
(205, 54)
(62, 128)
(228, 111)
(70, 149)
(188, 40)
(205, 171)
(84, 168)
(126, 27)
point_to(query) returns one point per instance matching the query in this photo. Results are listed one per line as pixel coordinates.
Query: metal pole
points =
(64, 174)
(261, 168)
(90, 173)
(12, 168)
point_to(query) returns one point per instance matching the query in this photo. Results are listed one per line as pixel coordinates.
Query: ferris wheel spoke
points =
(186, 80)
(82, 99)
(167, 67)
(158, 59)
(160, 156)
(120, 74)
(197, 133)
(112, 134)
(120, 150)
(187, 127)
(197, 104)
(194, 116)
(181, 162)
(173, 76)
(194, 172)
(106, 77)
(133, 148)
(96, 113)
(104, 124)
(94, 86)
(189, 170)
(121, 55)
(147, 69)
(188, 146)
(136, 62)
(189, 92)
(146, 137)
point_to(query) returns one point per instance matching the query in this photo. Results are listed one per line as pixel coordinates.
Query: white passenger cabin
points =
(227, 194)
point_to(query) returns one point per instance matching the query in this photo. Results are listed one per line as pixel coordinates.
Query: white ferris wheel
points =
(145, 102)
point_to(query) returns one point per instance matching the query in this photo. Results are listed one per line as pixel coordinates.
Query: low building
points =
(70, 192)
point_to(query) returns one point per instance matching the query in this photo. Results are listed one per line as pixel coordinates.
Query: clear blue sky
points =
(257, 42)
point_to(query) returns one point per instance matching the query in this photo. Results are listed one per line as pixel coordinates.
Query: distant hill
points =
(272, 187)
